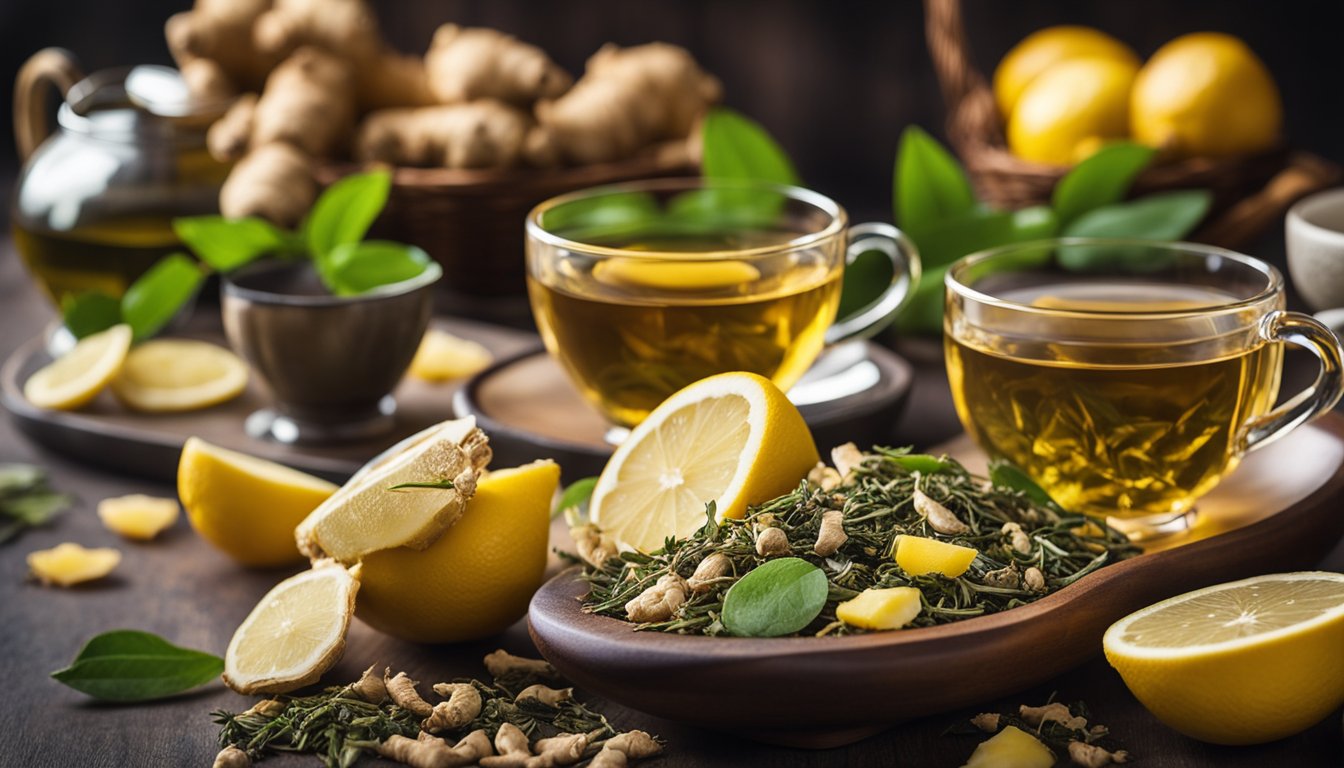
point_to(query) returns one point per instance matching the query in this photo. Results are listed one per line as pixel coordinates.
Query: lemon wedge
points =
(1245, 662)
(442, 356)
(296, 632)
(733, 439)
(170, 375)
(74, 379)
(245, 506)
(675, 275)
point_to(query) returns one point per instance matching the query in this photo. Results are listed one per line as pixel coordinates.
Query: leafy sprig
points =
(26, 499)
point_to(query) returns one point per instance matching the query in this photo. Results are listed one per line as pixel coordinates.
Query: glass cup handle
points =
(1308, 333)
(905, 269)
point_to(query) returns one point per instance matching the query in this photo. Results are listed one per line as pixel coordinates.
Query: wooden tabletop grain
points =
(180, 588)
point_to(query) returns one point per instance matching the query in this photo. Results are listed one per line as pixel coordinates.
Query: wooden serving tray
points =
(1279, 511)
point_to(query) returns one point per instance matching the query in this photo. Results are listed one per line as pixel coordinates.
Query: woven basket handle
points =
(1304, 173)
(972, 116)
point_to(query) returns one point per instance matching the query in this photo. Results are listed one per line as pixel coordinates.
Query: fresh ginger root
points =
(274, 182)
(627, 99)
(69, 564)
(479, 134)
(466, 64)
(213, 46)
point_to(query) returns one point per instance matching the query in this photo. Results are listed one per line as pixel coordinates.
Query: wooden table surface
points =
(182, 589)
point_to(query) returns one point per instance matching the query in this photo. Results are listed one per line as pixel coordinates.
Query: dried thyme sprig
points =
(877, 503)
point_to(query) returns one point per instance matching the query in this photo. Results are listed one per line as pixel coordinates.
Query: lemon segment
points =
(478, 577)
(881, 608)
(171, 375)
(246, 507)
(75, 379)
(442, 356)
(676, 275)
(138, 516)
(1071, 110)
(295, 633)
(1047, 47)
(920, 556)
(1011, 747)
(68, 564)
(1244, 662)
(733, 439)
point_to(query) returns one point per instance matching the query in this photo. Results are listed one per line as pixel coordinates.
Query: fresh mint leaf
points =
(128, 665)
(1160, 217)
(1101, 179)
(159, 294)
(356, 268)
(227, 244)
(865, 279)
(344, 211)
(777, 598)
(735, 147)
(930, 186)
(575, 495)
(89, 313)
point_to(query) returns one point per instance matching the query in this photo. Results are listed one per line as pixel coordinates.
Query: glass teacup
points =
(1127, 377)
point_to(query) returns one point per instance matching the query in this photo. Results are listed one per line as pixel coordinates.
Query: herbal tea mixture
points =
(885, 539)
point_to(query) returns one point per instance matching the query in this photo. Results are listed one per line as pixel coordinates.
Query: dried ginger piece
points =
(444, 357)
(138, 516)
(68, 564)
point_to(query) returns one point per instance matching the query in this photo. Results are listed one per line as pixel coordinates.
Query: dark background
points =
(835, 82)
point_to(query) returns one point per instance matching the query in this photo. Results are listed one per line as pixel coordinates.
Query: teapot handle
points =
(49, 66)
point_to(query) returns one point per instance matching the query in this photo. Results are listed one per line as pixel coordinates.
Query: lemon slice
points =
(295, 633)
(169, 375)
(77, 377)
(138, 516)
(733, 439)
(675, 275)
(442, 356)
(1239, 663)
(246, 507)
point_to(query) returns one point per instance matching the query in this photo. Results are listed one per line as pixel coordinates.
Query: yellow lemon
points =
(169, 375)
(1206, 94)
(1070, 110)
(1047, 47)
(442, 356)
(733, 439)
(73, 380)
(245, 506)
(478, 577)
(1239, 663)
(676, 275)
(69, 564)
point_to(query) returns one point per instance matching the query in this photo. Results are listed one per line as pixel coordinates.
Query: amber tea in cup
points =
(1126, 378)
(641, 289)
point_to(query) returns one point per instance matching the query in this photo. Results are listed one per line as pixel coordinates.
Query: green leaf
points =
(128, 665)
(227, 244)
(575, 495)
(737, 147)
(1006, 475)
(89, 313)
(344, 211)
(355, 268)
(436, 484)
(17, 478)
(1101, 179)
(159, 294)
(602, 216)
(930, 186)
(777, 598)
(864, 281)
(1160, 217)
(923, 463)
(923, 314)
(35, 507)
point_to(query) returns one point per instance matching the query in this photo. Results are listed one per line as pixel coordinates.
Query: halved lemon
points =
(169, 375)
(733, 439)
(74, 379)
(295, 633)
(1239, 663)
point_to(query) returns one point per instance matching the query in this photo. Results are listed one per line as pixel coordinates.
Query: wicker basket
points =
(1251, 193)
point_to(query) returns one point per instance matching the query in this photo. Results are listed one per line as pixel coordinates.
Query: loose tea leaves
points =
(778, 598)
(1025, 548)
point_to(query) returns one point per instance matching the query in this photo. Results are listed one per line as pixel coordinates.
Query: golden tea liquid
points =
(633, 331)
(105, 258)
(1120, 429)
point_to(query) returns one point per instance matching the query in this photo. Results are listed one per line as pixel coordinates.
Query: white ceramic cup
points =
(1315, 235)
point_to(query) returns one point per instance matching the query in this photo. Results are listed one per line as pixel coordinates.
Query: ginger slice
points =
(138, 516)
(444, 357)
(68, 564)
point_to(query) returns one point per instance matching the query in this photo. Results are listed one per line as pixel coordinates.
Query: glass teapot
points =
(95, 200)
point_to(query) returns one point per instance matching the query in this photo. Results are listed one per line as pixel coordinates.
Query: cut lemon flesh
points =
(167, 375)
(733, 439)
(74, 379)
(295, 633)
(1238, 663)
(675, 275)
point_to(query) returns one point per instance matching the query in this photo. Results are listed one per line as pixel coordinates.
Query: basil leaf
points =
(1160, 217)
(356, 268)
(159, 294)
(777, 598)
(1006, 475)
(575, 495)
(737, 147)
(128, 665)
(344, 211)
(89, 313)
(1103, 178)
(227, 244)
(35, 507)
(930, 186)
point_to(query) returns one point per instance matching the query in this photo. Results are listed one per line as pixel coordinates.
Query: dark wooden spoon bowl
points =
(824, 692)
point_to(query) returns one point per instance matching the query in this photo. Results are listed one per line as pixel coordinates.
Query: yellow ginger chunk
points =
(138, 516)
(69, 564)
(881, 608)
(919, 556)
(443, 357)
(1011, 748)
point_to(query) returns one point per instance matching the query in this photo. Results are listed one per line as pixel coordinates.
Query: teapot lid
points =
(142, 102)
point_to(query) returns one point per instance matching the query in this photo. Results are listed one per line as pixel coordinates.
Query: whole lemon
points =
(1047, 47)
(479, 576)
(1071, 109)
(1206, 94)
